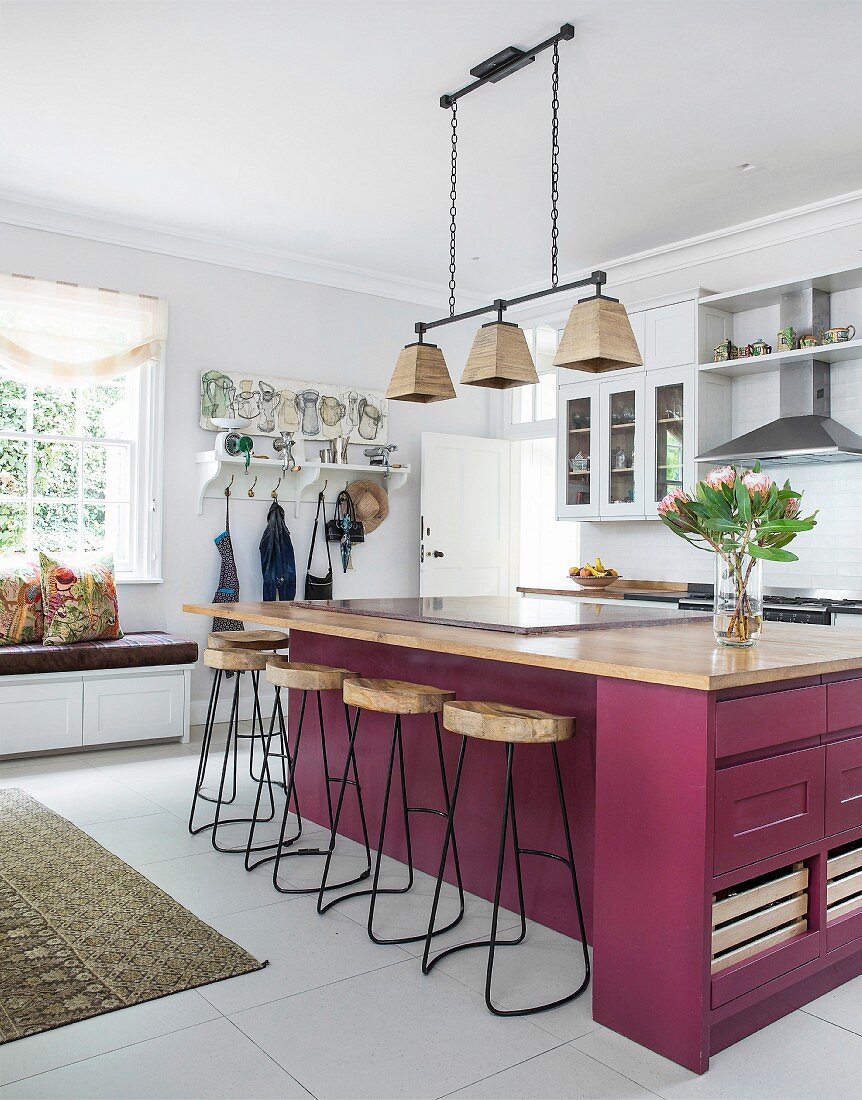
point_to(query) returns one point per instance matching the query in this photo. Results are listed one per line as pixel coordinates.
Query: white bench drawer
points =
(135, 708)
(36, 717)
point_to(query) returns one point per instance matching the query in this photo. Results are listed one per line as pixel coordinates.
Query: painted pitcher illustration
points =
(217, 394)
(332, 413)
(370, 419)
(306, 405)
(269, 401)
(247, 401)
(287, 417)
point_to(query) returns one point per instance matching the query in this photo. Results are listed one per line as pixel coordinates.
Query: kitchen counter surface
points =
(655, 590)
(682, 654)
(509, 614)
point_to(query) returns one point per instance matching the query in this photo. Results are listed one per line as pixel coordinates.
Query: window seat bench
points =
(92, 694)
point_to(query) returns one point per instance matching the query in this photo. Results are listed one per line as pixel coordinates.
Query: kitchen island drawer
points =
(843, 785)
(767, 807)
(757, 722)
(844, 704)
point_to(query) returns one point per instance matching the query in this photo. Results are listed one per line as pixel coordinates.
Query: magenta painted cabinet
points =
(768, 807)
(843, 785)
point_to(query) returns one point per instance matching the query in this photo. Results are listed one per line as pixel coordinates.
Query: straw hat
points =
(371, 503)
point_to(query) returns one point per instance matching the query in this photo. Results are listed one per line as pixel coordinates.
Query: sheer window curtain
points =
(54, 332)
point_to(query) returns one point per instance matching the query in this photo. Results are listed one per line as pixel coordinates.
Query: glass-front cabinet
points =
(578, 451)
(670, 411)
(622, 466)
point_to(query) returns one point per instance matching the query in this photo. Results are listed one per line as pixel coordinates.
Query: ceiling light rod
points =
(596, 279)
(505, 63)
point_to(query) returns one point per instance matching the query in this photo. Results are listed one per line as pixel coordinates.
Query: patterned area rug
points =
(82, 933)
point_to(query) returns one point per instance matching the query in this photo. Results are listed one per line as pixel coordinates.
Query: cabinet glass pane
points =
(621, 457)
(669, 428)
(579, 432)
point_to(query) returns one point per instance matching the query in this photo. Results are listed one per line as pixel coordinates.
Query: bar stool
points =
(511, 726)
(398, 698)
(230, 659)
(270, 641)
(284, 673)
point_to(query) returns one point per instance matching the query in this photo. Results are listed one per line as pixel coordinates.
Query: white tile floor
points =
(337, 1016)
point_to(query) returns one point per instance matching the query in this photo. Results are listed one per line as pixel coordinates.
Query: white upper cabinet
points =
(621, 442)
(670, 336)
(578, 456)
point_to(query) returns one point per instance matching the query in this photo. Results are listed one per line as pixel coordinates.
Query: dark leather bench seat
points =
(136, 650)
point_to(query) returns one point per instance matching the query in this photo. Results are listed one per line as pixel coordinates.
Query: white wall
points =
(228, 319)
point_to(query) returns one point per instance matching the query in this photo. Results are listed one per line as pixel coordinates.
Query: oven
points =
(776, 609)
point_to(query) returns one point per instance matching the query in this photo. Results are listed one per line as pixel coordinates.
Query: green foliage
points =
(60, 470)
(736, 517)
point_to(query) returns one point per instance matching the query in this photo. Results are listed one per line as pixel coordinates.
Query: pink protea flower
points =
(721, 475)
(757, 483)
(669, 503)
(792, 508)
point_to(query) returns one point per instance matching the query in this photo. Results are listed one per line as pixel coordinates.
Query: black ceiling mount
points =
(504, 63)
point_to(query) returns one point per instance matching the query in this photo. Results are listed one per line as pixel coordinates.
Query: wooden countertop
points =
(615, 591)
(683, 656)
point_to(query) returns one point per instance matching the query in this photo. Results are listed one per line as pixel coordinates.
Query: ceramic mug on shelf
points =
(838, 335)
(808, 341)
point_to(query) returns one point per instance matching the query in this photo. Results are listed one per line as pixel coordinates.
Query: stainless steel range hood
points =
(804, 431)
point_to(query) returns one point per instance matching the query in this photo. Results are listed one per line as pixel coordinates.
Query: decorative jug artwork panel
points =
(314, 410)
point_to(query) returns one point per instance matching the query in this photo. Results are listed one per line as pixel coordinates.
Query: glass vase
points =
(737, 618)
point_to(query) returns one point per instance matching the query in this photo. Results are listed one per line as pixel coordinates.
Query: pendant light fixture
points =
(598, 336)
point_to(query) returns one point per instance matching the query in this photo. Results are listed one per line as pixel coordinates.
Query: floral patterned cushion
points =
(21, 618)
(80, 599)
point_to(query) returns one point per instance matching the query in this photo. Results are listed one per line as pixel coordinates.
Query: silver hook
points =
(251, 490)
(227, 487)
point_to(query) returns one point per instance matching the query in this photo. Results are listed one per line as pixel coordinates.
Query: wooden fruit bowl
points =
(594, 582)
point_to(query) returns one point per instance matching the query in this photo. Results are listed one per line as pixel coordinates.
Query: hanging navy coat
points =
(276, 557)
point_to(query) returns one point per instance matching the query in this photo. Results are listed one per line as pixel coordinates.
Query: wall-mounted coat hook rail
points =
(251, 490)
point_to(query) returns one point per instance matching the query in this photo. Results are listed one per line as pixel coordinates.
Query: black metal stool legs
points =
(396, 744)
(283, 848)
(229, 763)
(494, 941)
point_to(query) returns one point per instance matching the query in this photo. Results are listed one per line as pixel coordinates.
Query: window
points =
(534, 404)
(545, 547)
(79, 447)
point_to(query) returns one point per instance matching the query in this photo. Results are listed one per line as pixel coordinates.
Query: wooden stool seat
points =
(395, 696)
(248, 639)
(285, 673)
(236, 660)
(499, 722)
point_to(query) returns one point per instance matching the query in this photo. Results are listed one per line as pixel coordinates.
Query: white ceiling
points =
(313, 128)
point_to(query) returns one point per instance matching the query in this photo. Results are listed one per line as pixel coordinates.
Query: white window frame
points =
(144, 565)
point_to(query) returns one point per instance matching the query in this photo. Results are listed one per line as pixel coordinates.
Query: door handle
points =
(437, 554)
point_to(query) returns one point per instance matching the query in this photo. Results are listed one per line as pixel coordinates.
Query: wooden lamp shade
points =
(500, 358)
(421, 375)
(598, 337)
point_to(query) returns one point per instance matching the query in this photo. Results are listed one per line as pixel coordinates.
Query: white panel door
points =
(464, 549)
(142, 707)
(35, 717)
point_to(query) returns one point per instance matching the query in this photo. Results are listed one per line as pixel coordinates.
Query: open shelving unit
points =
(766, 364)
(296, 486)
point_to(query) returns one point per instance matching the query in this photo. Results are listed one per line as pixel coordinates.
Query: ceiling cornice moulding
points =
(827, 214)
(837, 212)
(16, 209)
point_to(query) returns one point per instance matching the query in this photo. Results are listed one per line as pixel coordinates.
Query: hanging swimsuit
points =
(228, 581)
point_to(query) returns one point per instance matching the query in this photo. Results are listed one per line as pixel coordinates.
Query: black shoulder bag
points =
(318, 588)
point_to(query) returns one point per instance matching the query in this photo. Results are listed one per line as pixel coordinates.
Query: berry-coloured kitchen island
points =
(715, 796)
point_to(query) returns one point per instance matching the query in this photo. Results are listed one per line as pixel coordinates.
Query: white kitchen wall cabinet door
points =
(465, 500)
(622, 467)
(670, 336)
(578, 451)
(669, 432)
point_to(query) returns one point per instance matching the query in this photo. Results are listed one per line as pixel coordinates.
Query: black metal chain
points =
(555, 166)
(453, 195)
